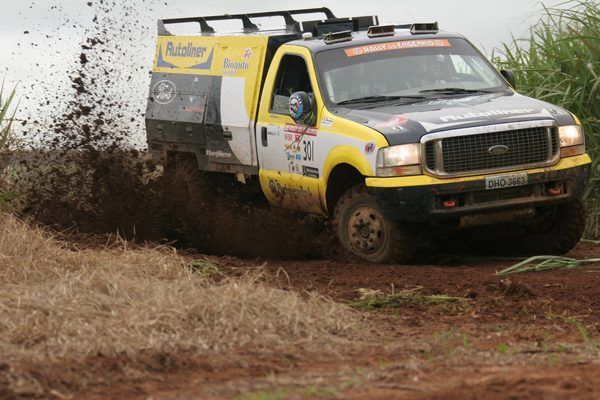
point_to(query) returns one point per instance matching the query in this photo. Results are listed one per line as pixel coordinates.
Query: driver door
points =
(288, 161)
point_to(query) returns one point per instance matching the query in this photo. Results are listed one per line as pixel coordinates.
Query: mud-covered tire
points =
(187, 196)
(363, 229)
(559, 232)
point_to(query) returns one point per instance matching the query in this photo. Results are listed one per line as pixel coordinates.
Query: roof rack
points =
(249, 26)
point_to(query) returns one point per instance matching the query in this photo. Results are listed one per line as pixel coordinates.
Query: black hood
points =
(409, 122)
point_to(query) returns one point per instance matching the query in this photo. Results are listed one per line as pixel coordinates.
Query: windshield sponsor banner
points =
(400, 45)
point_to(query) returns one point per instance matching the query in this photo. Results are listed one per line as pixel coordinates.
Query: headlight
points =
(399, 160)
(572, 140)
(570, 135)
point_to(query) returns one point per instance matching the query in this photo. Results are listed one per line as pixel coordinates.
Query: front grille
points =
(470, 153)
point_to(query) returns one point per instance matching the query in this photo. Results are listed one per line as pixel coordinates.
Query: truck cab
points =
(386, 129)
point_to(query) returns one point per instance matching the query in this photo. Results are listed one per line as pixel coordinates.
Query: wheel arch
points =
(345, 167)
(341, 178)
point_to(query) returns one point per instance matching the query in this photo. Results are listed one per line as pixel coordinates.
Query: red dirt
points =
(527, 336)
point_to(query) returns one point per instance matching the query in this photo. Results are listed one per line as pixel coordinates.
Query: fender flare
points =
(343, 154)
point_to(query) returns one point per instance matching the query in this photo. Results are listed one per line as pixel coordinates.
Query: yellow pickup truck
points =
(393, 131)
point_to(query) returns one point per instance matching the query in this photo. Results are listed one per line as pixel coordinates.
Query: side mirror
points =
(510, 78)
(301, 108)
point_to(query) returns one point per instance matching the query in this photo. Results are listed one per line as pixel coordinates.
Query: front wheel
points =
(559, 231)
(364, 230)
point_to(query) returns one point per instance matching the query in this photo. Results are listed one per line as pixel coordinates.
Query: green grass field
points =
(559, 62)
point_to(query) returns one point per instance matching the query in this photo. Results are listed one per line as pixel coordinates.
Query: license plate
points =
(504, 181)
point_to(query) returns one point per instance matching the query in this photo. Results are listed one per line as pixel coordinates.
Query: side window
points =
(291, 77)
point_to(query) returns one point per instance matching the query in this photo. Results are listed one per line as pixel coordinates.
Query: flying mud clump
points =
(86, 172)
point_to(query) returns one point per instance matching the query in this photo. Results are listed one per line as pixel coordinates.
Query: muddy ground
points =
(526, 336)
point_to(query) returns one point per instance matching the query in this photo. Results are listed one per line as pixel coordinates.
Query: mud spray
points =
(85, 173)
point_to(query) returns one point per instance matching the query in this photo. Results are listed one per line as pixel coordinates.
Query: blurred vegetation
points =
(6, 120)
(6, 143)
(559, 62)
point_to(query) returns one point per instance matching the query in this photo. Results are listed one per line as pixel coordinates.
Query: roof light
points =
(424, 27)
(336, 37)
(381, 30)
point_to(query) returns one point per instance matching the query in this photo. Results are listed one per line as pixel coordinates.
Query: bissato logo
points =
(164, 92)
(448, 118)
(229, 64)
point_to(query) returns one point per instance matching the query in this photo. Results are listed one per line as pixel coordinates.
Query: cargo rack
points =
(317, 28)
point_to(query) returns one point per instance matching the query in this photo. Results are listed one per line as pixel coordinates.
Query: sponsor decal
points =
(218, 153)
(310, 172)
(194, 109)
(400, 45)
(296, 106)
(326, 122)
(281, 189)
(293, 156)
(187, 50)
(184, 55)
(395, 122)
(235, 65)
(475, 115)
(369, 147)
(300, 130)
(248, 53)
(294, 167)
(164, 92)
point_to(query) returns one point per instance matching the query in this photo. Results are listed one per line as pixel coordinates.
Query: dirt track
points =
(528, 336)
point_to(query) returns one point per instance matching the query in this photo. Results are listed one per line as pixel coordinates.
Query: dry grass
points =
(59, 304)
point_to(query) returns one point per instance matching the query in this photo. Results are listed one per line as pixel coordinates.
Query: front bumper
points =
(421, 198)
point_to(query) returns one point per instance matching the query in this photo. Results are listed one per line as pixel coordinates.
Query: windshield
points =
(406, 69)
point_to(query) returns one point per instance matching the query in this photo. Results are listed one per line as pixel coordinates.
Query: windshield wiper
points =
(376, 99)
(456, 91)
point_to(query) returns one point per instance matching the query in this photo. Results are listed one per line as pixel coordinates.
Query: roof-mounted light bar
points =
(381, 30)
(337, 37)
(424, 28)
(321, 27)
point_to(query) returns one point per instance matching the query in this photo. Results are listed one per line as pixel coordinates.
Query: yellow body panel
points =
(425, 180)
(342, 139)
(227, 56)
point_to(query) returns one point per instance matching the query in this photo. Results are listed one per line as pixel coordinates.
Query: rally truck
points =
(395, 132)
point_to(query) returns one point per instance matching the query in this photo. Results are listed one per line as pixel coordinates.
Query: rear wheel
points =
(187, 198)
(364, 230)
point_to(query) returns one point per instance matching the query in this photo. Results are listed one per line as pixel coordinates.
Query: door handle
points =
(263, 136)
